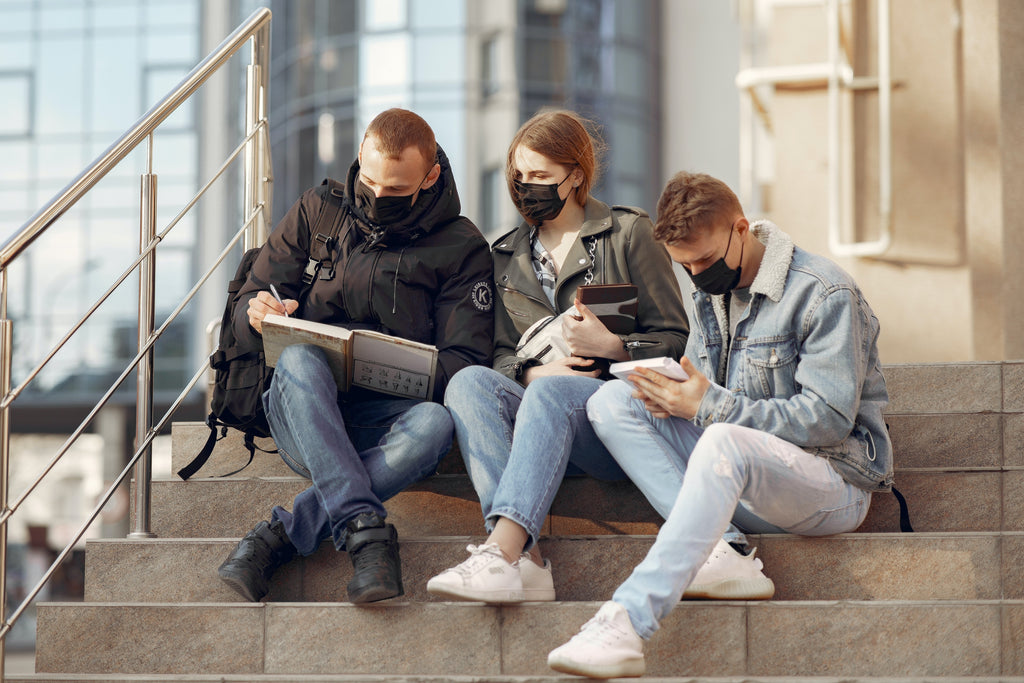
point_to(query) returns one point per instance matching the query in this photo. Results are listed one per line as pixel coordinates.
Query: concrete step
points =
(943, 566)
(940, 500)
(364, 678)
(778, 638)
(960, 415)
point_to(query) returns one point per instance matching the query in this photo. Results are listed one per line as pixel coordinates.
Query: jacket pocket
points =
(772, 368)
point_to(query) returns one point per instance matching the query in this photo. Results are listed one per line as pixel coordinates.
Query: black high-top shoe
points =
(377, 570)
(254, 560)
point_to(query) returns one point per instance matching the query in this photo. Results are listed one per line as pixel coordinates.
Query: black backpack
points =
(241, 373)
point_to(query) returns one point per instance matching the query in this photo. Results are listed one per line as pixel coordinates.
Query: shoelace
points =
(597, 627)
(374, 554)
(477, 555)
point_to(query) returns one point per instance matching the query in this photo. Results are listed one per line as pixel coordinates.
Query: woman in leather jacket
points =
(523, 425)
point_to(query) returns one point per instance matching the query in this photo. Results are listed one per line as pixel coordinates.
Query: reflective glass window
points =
(15, 154)
(15, 51)
(174, 153)
(439, 59)
(633, 19)
(15, 19)
(16, 114)
(60, 86)
(384, 15)
(116, 14)
(631, 73)
(164, 13)
(384, 61)
(339, 63)
(114, 86)
(60, 160)
(62, 16)
(341, 17)
(438, 13)
(172, 46)
(160, 81)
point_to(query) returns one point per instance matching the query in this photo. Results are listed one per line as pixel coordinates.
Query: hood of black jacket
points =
(435, 206)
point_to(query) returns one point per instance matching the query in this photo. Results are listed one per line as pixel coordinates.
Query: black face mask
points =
(537, 202)
(385, 210)
(718, 278)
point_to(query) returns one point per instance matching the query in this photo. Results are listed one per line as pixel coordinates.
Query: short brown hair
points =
(396, 129)
(691, 203)
(567, 139)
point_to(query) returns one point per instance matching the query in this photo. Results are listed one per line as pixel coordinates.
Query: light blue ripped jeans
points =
(770, 484)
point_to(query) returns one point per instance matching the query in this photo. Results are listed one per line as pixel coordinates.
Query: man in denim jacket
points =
(779, 427)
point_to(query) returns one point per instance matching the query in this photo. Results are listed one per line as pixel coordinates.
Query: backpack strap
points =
(904, 511)
(321, 240)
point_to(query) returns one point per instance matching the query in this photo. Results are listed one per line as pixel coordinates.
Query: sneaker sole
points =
(733, 589)
(630, 668)
(239, 586)
(471, 595)
(376, 593)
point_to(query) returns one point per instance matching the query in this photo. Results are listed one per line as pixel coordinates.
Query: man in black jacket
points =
(405, 263)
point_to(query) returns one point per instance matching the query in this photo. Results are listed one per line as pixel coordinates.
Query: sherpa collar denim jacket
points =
(803, 364)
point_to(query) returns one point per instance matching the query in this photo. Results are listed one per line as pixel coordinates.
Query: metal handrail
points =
(258, 180)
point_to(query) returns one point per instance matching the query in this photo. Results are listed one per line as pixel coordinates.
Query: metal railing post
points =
(144, 383)
(6, 356)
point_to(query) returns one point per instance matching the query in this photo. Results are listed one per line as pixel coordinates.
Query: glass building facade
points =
(74, 76)
(475, 71)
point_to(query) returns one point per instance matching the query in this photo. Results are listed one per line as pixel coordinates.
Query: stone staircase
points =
(946, 602)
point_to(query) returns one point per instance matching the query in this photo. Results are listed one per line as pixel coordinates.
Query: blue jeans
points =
(359, 449)
(519, 443)
(771, 485)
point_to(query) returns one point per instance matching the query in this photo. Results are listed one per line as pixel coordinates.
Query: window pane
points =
(341, 17)
(14, 51)
(159, 82)
(384, 61)
(384, 15)
(60, 161)
(15, 93)
(115, 83)
(438, 13)
(116, 14)
(62, 17)
(439, 59)
(59, 86)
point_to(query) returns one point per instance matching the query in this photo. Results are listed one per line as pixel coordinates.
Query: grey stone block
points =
(944, 388)
(874, 639)
(126, 638)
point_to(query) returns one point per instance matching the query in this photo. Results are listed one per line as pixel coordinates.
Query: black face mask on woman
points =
(718, 278)
(538, 202)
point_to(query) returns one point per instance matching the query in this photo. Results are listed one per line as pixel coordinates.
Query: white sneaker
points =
(486, 576)
(730, 575)
(538, 585)
(606, 647)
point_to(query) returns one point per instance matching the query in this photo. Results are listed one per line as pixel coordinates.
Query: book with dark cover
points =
(614, 305)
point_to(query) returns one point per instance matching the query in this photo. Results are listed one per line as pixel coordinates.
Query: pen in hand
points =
(278, 297)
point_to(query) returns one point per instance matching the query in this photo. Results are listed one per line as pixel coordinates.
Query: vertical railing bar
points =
(103, 500)
(6, 357)
(6, 513)
(144, 379)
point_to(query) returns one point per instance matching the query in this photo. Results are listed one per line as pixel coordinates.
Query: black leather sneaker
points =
(377, 569)
(255, 559)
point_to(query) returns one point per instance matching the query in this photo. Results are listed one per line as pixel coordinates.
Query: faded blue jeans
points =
(359, 449)
(519, 443)
(770, 484)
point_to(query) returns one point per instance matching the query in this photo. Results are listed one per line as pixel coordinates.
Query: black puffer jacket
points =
(428, 278)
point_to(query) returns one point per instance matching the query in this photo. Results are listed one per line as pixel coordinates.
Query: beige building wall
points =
(948, 287)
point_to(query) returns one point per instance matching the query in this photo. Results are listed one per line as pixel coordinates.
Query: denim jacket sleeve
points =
(808, 392)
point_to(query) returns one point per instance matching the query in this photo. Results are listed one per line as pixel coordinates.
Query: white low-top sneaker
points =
(538, 584)
(730, 575)
(486, 576)
(606, 647)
